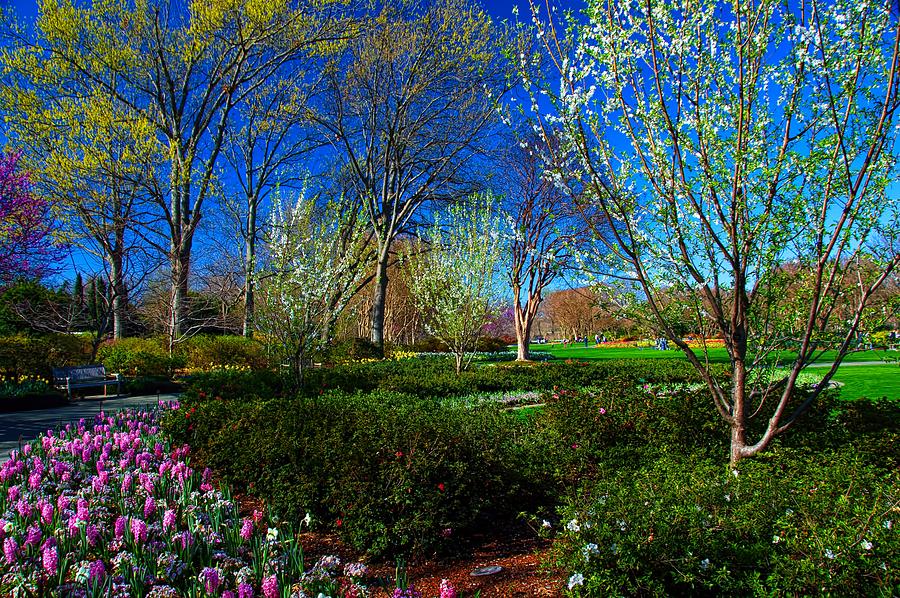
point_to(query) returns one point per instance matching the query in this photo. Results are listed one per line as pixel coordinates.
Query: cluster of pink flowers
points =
(112, 509)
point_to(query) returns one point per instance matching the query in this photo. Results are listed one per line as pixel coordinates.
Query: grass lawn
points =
(875, 380)
(718, 355)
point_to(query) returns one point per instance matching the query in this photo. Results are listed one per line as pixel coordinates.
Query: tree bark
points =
(119, 297)
(523, 321)
(249, 271)
(379, 299)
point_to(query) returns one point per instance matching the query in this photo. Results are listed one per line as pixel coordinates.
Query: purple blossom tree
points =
(27, 248)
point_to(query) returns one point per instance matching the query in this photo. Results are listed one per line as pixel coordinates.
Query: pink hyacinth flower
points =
(270, 587)
(168, 519)
(447, 590)
(246, 529)
(50, 560)
(119, 527)
(10, 550)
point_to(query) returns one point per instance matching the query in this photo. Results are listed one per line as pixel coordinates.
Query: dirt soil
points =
(518, 553)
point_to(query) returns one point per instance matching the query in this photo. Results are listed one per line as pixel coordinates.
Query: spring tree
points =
(724, 140)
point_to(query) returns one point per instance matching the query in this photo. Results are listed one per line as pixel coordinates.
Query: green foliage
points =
(659, 513)
(390, 472)
(139, 357)
(796, 523)
(37, 356)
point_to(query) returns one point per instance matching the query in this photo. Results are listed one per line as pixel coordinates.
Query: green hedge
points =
(393, 474)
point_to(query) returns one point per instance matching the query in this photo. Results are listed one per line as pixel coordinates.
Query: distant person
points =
(596, 339)
(585, 341)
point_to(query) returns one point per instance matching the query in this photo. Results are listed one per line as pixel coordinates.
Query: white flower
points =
(573, 526)
(272, 534)
(887, 524)
(735, 472)
(545, 524)
(307, 520)
(704, 564)
(776, 539)
(577, 579)
(866, 545)
(829, 554)
(589, 549)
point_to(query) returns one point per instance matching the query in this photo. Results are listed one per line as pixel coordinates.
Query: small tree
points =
(454, 284)
(316, 260)
(26, 244)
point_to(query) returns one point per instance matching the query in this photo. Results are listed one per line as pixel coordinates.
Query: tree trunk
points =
(119, 298)
(249, 271)
(180, 270)
(379, 299)
(523, 321)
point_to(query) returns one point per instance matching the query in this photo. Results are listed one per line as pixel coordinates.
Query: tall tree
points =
(725, 141)
(545, 232)
(409, 104)
(182, 67)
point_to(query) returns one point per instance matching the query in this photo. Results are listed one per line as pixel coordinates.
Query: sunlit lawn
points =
(875, 380)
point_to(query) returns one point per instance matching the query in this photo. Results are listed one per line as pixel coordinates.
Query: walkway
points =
(27, 425)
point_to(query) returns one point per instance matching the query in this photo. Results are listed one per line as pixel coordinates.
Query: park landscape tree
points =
(409, 105)
(316, 257)
(723, 141)
(454, 282)
(27, 247)
(544, 233)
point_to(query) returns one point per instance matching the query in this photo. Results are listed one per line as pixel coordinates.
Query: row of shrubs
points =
(22, 355)
(632, 482)
(428, 377)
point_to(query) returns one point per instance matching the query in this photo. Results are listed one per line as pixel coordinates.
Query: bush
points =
(391, 473)
(22, 355)
(208, 352)
(784, 524)
(139, 357)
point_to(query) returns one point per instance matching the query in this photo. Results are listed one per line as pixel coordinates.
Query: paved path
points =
(846, 363)
(27, 425)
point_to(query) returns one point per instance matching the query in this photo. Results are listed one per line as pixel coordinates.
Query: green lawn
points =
(875, 380)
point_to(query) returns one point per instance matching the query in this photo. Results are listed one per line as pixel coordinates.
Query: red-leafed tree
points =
(26, 246)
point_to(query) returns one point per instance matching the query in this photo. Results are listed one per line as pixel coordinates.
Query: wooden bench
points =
(85, 376)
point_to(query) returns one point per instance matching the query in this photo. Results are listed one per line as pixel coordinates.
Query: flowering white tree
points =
(454, 282)
(317, 257)
(725, 140)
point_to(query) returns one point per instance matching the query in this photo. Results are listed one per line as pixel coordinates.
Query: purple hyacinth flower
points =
(245, 590)
(97, 572)
(119, 526)
(210, 577)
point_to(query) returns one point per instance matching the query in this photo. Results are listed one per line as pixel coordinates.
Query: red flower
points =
(398, 454)
(339, 522)
(441, 486)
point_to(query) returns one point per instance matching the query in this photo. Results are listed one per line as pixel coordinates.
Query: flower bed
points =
(112, 509)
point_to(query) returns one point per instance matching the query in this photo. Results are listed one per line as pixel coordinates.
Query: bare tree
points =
(409, 105)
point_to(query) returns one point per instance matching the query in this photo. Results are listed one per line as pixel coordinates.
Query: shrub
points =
(392, 473)
(139, 357)
(352, 350)
(683, 524)
(208, 352)
(22, 355)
